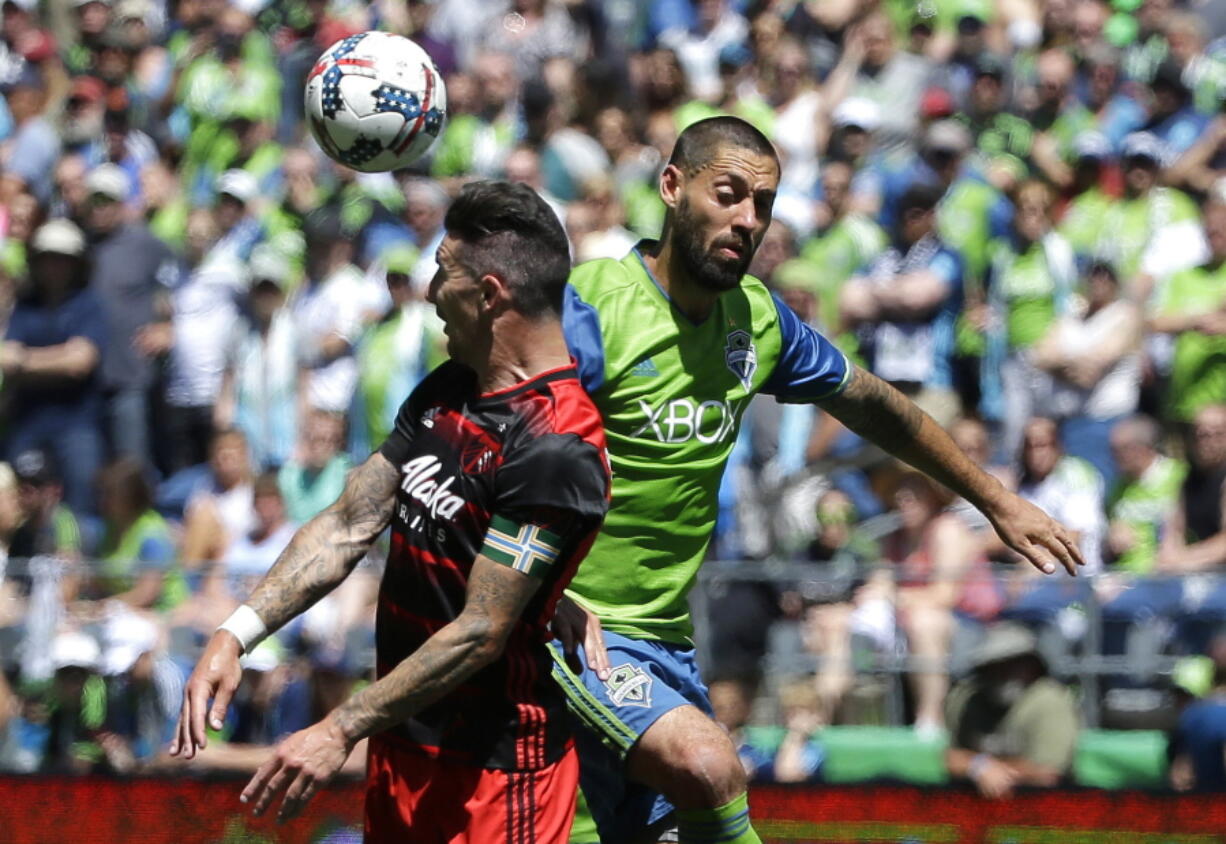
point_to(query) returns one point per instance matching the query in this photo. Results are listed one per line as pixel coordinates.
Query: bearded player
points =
(494, 482)
(672, 342)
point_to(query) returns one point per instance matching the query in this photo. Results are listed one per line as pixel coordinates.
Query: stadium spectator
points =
(1198, 742)
(1094, 357)
(51, 359)
(316, 475)
(1143, 497)
(137, 555)
(259, 387)
(220, 510)
(130, 272)
(143, 689)
(47, 526)
(328, 311)
(905, 304)
(30, 154)
(886, 75)
(1030, 278)
(1192, 308)
(73, 709)
(1010, 724)
(203, 313)
(250, 555)
(1068, 489)
(941, 577)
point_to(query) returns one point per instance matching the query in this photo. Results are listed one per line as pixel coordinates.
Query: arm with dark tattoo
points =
(495, 599)
(882, 415)
(325, 549)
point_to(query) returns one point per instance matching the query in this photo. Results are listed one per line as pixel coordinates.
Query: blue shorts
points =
(647, 679)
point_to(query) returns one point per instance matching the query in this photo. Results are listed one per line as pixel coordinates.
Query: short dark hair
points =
(919, 197)
(508, 230)
(700, 142)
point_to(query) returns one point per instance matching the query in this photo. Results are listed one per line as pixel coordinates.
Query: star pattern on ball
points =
(363, 150)
(434, 121)
(389, 98)
(347, 46)
(330, 93)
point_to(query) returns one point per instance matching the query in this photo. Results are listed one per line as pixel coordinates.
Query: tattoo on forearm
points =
(881, 414)
(325, 549)
(496, 597)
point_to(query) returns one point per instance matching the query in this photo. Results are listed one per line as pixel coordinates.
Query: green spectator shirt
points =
(671, 393)
(1144, 504)
(1029, 288)
(1083, 220)
(146, 545)
(1129, 226)
(1198, 372)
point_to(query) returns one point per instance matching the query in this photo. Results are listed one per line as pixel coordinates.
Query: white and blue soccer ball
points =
(375, 102)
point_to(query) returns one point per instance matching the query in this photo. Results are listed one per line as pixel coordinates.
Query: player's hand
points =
(573, 624)
(995, 780)
(215, 677)
(1043, 541)
(299, 766)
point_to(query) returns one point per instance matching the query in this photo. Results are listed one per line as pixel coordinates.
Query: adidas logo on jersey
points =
(645, 368)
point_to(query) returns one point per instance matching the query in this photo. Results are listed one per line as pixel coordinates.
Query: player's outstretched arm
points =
(882, 415)
(320, 556)
(495, 599)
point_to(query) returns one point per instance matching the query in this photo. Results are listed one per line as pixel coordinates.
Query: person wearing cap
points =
(93, 21)
(51, 361)
(1116, 111)
(904, 304)
(1093, 190)
(995, 128)
(399, 349)
(259, 386)
(938, 163)
(130, 271)
(76, 707)
(1154, 230)
(48, 527)
(1010, 724)
(239, 230)
(33, 146)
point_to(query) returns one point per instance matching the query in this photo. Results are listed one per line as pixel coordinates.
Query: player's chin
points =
(723, 273)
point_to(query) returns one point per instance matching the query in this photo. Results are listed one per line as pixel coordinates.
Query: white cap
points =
(239, 184)
(73, 649)
(110, 181)
(60, 237)
(857, 111)
(268, 264)
(128, 637)
(1144, 145)
(1092, 144)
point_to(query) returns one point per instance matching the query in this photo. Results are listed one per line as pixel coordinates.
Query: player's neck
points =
(687, 295)
(523, 354)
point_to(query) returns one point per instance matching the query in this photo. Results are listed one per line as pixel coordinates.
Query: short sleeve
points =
(581, 325)
(548, 496)
(809, 368)
(398, 443)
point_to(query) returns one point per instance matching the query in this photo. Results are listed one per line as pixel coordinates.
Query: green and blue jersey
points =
(671, 393)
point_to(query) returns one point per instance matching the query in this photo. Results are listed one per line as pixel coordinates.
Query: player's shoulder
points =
(602, 278)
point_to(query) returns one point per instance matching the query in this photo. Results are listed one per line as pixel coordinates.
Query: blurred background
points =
(1013, 210)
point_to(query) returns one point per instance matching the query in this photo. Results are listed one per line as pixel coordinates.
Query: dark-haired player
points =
(494, 482)
(672, 342)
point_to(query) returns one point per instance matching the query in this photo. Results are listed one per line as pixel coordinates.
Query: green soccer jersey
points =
(1082, 222)
(1143, 504)
(671, 393)
(1198, 372)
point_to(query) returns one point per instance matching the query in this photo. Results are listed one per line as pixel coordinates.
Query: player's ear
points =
(672, 181)
(495, 292)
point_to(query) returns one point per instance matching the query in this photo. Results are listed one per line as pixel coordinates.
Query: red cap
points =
(936, 103)
(88, 88)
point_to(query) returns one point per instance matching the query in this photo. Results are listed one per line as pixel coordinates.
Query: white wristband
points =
(247, 627)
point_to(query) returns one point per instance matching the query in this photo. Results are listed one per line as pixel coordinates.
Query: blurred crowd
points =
(1012, 210)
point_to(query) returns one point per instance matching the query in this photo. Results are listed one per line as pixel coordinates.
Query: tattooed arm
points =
(882, 415)
(495, 599)
(322, 553)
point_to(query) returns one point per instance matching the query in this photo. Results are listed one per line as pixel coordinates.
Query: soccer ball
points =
(375, 101)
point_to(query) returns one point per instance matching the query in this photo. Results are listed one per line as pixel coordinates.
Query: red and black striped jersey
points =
(520, 475)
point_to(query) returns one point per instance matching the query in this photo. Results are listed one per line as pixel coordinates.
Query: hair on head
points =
(507, 230)
(701, 141)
